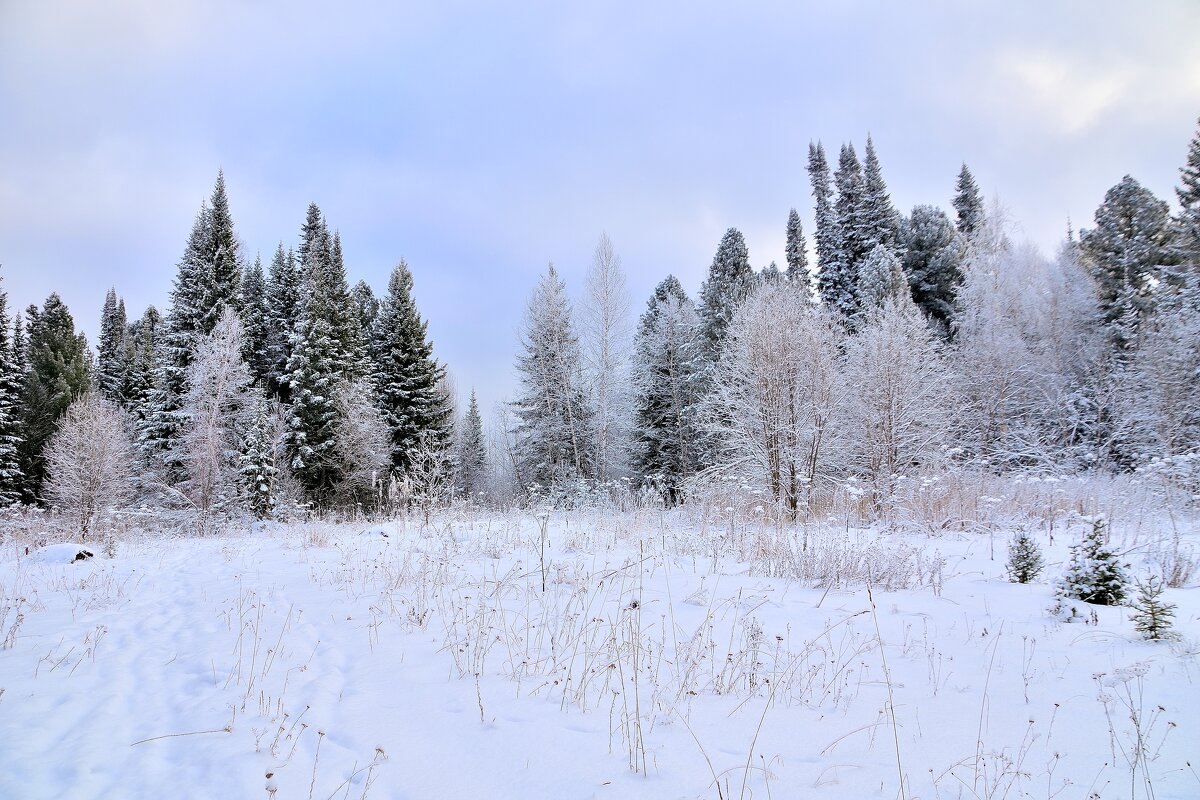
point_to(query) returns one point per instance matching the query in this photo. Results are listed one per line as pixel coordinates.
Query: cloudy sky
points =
(480, 141)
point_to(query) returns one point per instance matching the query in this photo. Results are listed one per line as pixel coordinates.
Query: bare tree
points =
(219, 404)
(90, 461)
(362, 445)
(777, 391)
(607, 335)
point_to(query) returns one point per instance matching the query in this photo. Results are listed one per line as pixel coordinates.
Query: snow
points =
(411, 660)
(64, 553)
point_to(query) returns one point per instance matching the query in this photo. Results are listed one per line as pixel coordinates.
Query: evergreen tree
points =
(770, 275)
(368, 308)
(472, 453)
(58, 373)
(1130, 252)
(258, 471)
(858, 234)
(833, 282)
(220, 258)
(1151, 614)
(730, 279)
(1095, 574)
(139, 387)
(346, 316)
(1024, 558)
(968, 203)
(255, 322)
(11, 477)
(880, 279)
(933, 262)
(554, 426)
(1188, 193)
(668, 350)
(407, 376)
(110, 350)
(795, 252)
(878, 218)
(282, 311)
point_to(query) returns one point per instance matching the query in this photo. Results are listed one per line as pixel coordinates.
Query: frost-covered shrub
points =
(1024, 558)
(1095, 573)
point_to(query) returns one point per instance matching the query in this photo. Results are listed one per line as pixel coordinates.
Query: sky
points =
(481, 141)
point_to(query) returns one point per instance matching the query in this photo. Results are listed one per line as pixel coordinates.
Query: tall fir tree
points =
(472, 459)
(967, 203)
(1188, 193)
(933, 258)
(877, 215)
(257, 466)
(11, 477)
(1131, 254)
(407, 378)
(881, 280)
(346, 319)
(111, 348)
(255, 322)
(796, 254)
(142, 344)
(58, 373)
(730, 280)
(553, 424)
(833, 281)
(221, 260)
(282, 310)
(668, 352)
(368, 308)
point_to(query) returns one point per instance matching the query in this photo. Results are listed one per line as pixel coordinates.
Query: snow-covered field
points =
(586, 654)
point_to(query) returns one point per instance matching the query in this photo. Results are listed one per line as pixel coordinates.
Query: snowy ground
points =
(622, 656)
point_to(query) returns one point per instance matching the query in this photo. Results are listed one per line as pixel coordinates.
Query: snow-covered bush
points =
(1095, 574)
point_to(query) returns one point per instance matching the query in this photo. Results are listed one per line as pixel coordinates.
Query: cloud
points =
(1069, 94)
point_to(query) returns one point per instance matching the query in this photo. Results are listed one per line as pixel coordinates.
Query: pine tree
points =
(282, 310)
(368, 309)
(58, 373)
(1151, 614)
(1130, 252)
(346, 317)
(933, 262)
(472, 457)
(968, 203)
(877, 216)
(730, 280)
(858, 235)
(1188, 193)
(1024, 558)
(110, 350)
(833, 282)
(255, 322)
(554, 426)
(668, 350)
(1095, 574)
(11, 379)
(880, 279)
(138, 388)
(770, 275)
(795, 252)
(258, 470)
(406, 375)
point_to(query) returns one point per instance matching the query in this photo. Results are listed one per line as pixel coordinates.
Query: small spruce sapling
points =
(1024, 558)
(1095, 574)
(1151, 614)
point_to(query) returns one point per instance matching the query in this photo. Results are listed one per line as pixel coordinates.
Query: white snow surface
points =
(320, 661)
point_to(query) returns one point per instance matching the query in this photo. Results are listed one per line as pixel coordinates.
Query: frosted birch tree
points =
(606, 338)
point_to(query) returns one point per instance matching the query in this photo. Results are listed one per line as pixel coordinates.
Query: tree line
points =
(911, 343)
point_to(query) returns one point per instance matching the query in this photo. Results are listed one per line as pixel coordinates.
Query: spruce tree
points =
(553, 423)
(1024, 558)
(407, 378)
(282, 309)
(472, 457)
(1151, 614)
(770, 275)
(1095, 574)
(139, 386)
(255, 322)
(258, 471)
(668, 350)
(11, 477)
(832, 281)
(58, 373)
(110, 350)
(854, 221)
(221, 260)
(933, 262)
(346, 319)
(796, 255)
(1188, 193)
(368, 308)
(968, 203)
(1131, 254)
(878, 218)
(730, 280)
